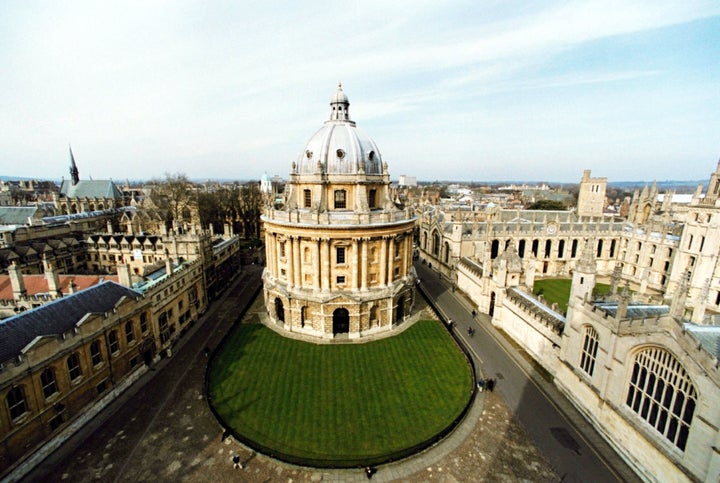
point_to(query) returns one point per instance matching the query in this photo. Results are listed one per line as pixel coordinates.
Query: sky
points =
(482, 90)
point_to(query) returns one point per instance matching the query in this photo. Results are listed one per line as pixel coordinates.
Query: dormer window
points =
(371, 156)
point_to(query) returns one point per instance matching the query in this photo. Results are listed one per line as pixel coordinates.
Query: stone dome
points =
(339, 146)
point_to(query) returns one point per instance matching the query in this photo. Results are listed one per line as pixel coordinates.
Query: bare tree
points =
(174, 197)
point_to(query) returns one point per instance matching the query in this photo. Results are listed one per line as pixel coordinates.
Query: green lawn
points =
(557, 290)
(346, 404)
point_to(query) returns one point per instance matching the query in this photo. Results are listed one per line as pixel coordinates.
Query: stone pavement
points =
(162, 429)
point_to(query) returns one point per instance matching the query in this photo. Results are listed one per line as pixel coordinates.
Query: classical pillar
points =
(364, 266)
(354, 256)
(391, 260)
(268, 253)
(272, 255)
(383, 261)
(406, 256)
(290, 261)
(316, 264)
(325, 256)
(297, 260)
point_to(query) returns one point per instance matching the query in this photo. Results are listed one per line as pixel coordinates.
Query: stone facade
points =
(339, 252)
(641, 366)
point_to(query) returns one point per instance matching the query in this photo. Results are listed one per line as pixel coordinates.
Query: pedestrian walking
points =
(370, 471)
(236, 462)
(474, 313)
(481, 384)
(490, 384)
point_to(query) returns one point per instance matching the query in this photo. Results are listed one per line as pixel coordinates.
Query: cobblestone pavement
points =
(165, 432)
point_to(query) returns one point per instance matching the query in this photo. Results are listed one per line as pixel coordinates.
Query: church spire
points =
(74, 173)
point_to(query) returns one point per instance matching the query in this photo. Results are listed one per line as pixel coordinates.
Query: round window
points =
(340, 153)
(308, 153)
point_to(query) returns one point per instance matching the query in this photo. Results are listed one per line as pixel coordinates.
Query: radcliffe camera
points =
(442, 242)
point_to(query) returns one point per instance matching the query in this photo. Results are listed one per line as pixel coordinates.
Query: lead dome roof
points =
(339, 146)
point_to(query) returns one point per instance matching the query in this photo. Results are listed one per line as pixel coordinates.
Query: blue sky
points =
(471, 90)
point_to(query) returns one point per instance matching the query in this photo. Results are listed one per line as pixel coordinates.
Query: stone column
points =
(383, 261)
(354, 259)
(325, 256)
(270, 253)
(364, 265)
(316, 264)
(290, 261)
(391, 260)
(297, 261)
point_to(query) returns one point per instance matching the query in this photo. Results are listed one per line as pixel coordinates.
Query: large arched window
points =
(447, 252)
(16, 402)
(436, 244)
(662, 394)
(589, 351)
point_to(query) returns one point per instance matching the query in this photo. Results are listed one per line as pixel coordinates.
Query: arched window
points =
(303, 315)
(661, 393)
(306, 255)
(48, 383)
(113, 343)
(599, 248)
(73, 365)
(447, 252)
(436, 244)
(340, 199)
(16, 402)
(95, 354)
(307, 194)
(129, 331)
(373, 316)
(589, 351)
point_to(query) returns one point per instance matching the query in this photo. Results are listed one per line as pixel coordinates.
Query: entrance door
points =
(400, 310)
(341, 321)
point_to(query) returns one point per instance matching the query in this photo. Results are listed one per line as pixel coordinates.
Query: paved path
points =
(162, 430)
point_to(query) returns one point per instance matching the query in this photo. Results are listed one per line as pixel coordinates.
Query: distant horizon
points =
(121, 181)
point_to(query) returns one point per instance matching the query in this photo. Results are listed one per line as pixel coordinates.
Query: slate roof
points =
(58, 317)
(90, 189)
(708, 335)
(636, 311)
(16, 215)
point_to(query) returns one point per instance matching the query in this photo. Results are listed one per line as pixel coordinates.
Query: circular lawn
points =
(339, 405)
